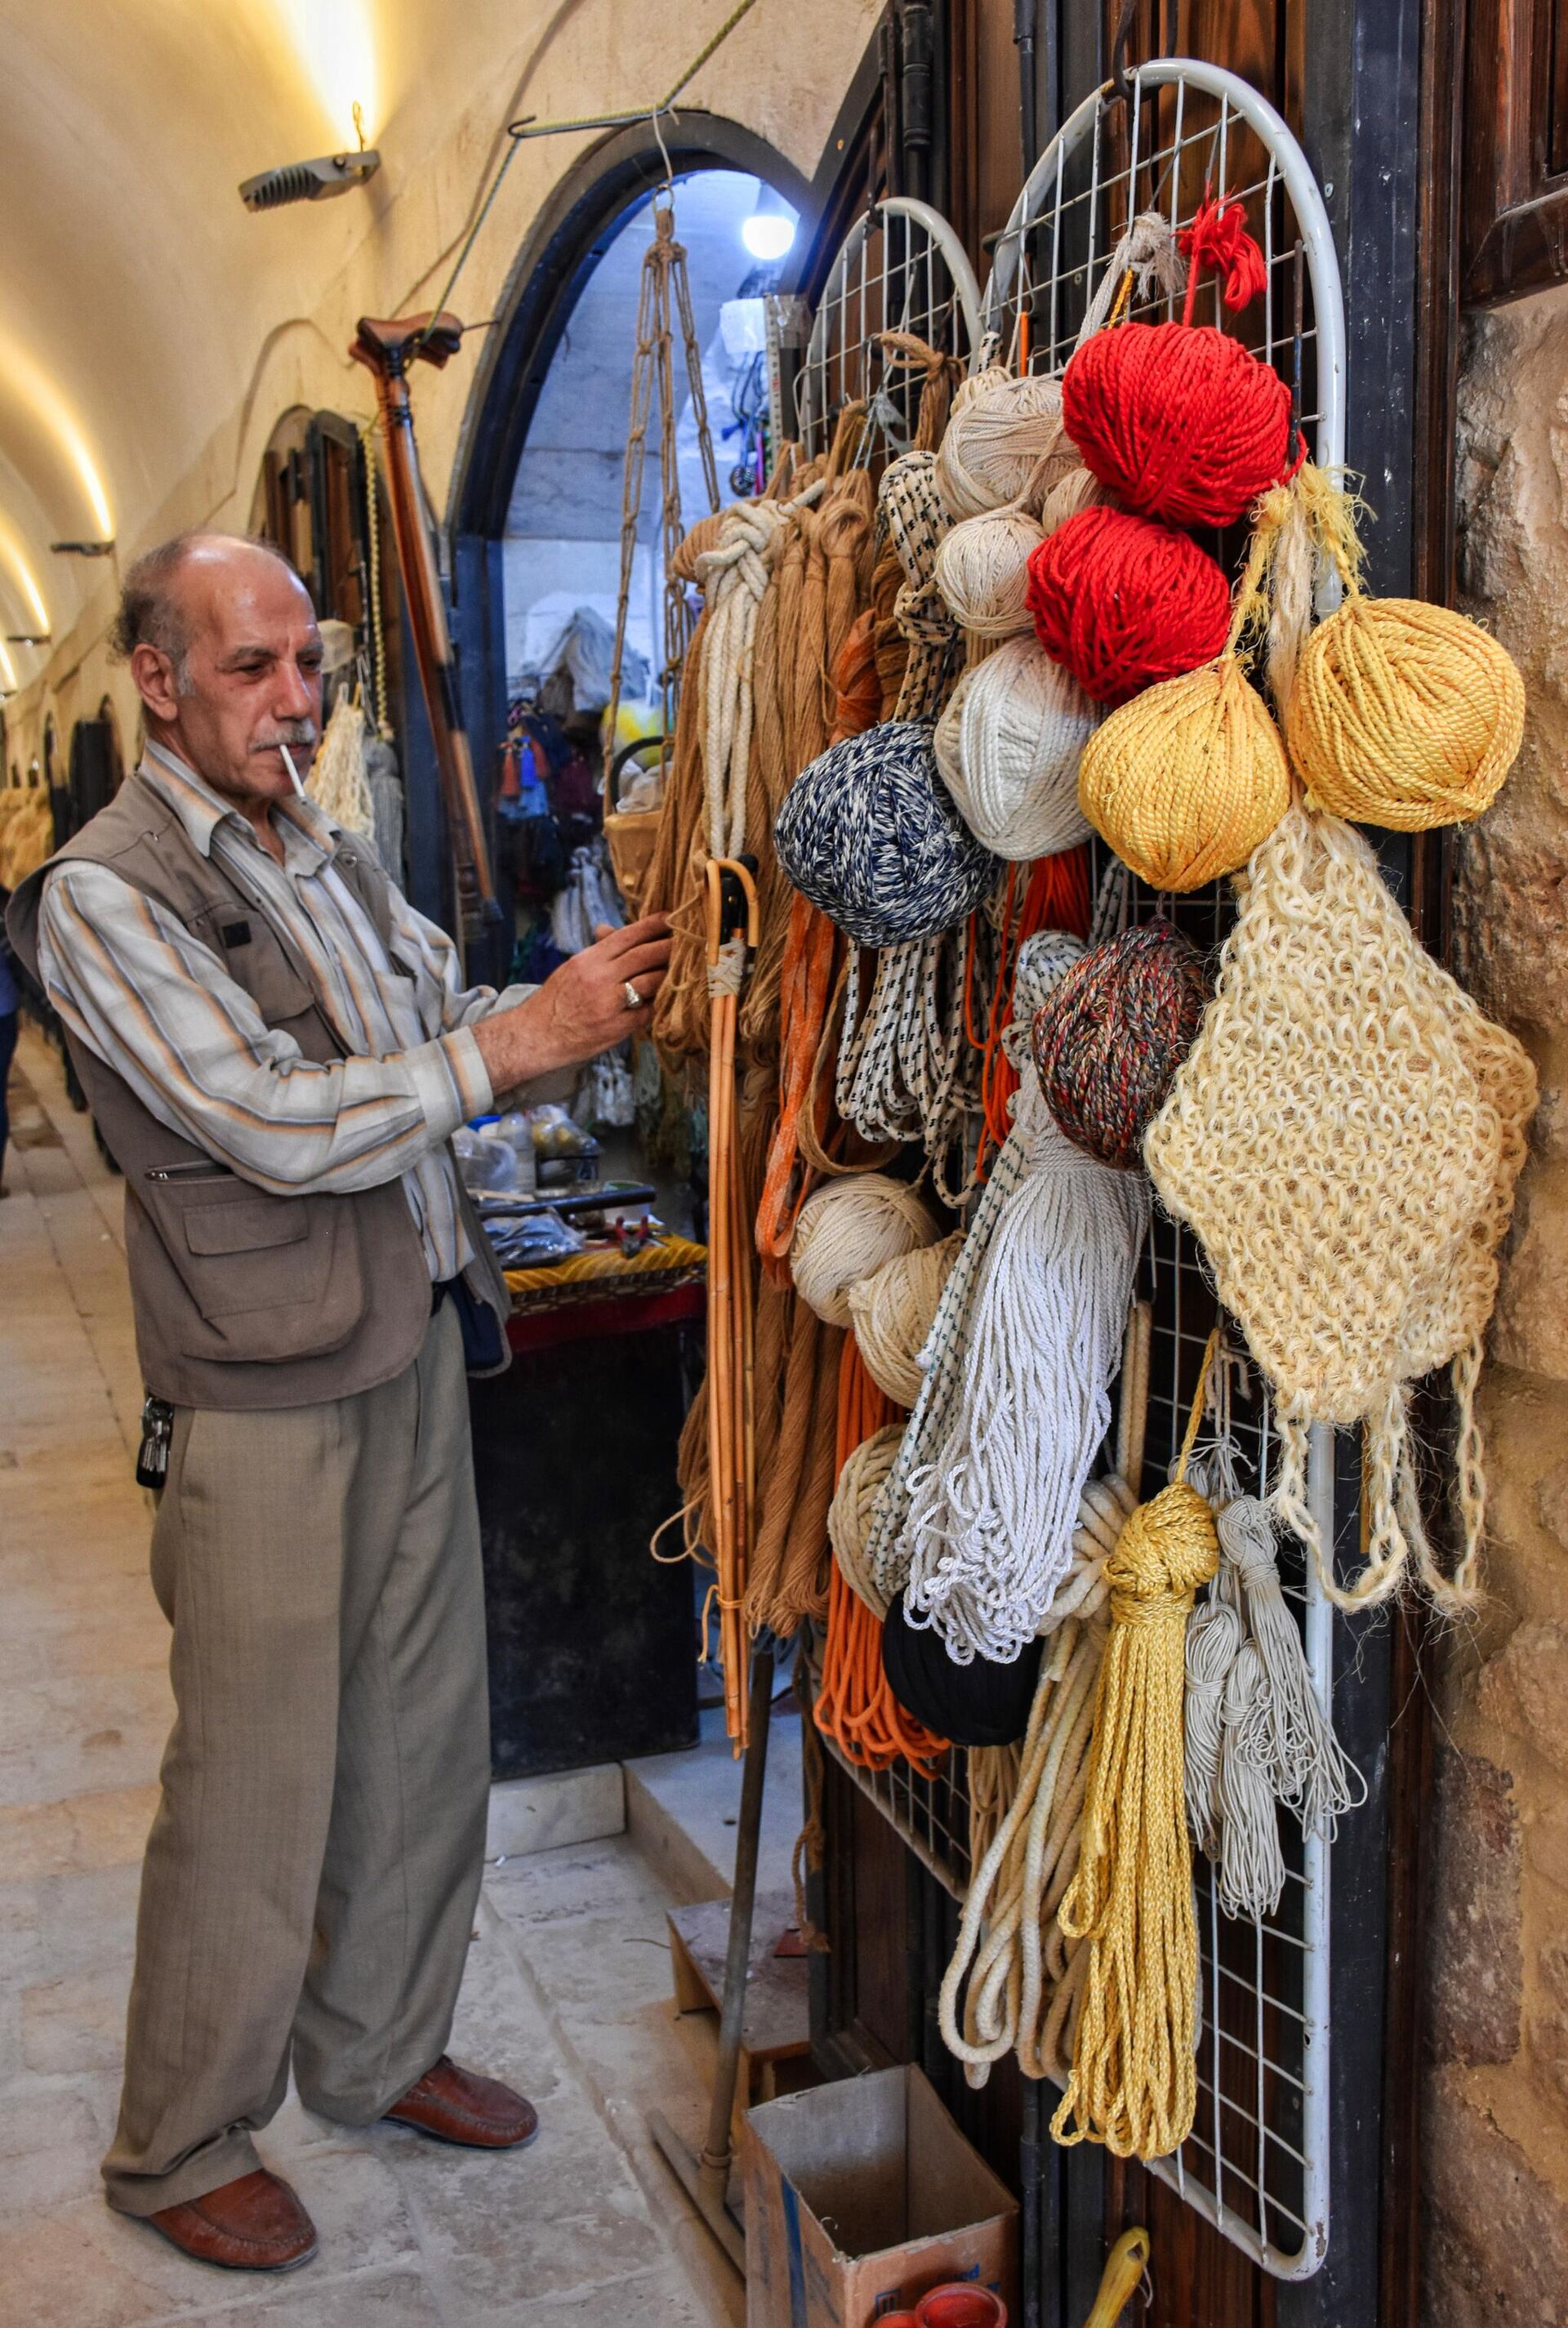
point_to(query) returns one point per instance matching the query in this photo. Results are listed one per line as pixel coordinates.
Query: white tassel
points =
(1308, 1770)
(1250, 1872)
(1214, 1637)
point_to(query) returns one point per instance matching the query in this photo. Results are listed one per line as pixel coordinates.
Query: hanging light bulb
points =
(770, 230)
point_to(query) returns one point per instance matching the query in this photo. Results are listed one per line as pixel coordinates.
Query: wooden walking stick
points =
(387, 350)
(730, 899)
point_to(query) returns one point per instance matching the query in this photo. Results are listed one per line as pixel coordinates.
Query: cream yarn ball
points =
(849, 1514)
(1070, 496)
(982, 571)
(846, 1229)
(1008, 745)
(996, 433)
(892, 1312)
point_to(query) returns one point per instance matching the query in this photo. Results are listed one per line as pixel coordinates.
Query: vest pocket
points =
(265, 1279)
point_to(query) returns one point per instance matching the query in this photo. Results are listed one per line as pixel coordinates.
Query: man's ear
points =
(153, 673)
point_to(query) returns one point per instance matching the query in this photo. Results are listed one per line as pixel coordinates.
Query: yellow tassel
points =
(1134, 2083)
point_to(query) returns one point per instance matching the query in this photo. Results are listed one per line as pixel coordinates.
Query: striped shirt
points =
(131, 981)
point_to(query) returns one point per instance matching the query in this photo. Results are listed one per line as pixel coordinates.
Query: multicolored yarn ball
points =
(1108, 1042)
(1405, 715)
(870, 834)
(997, 432)
(1180, 419)
(1007, 747)
(1122, 603)
(1187, 778)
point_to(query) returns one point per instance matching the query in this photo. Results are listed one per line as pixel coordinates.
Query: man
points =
(277, 1049)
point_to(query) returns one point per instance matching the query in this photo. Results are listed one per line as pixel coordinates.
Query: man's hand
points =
(583, 1008)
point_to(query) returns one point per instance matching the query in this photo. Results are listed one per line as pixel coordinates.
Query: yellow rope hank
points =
(1188, 777)
(1134, 2084)
(1402, 714)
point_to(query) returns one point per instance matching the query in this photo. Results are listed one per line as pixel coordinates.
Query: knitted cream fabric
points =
(1331, 1140)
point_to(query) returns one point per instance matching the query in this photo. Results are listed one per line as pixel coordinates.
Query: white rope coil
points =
(892, 1312)
(1007, 747)
(1070, 496)
(982, 571)
(849, 1229)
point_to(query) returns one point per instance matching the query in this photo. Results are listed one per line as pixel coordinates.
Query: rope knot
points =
(1218, 234)
(1247, 1542)
(1166, 1551)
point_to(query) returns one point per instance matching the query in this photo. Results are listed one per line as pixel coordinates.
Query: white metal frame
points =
(1034, 259)
(930, 290)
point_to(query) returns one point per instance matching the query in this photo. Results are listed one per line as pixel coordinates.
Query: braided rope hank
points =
(1133, 2084)
(1250, 1866)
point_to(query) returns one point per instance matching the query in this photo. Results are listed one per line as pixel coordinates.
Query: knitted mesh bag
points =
(1344, 1139)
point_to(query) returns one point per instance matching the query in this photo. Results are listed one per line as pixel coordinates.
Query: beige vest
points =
(243, 1299)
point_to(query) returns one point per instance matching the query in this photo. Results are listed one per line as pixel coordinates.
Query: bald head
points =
(222, 641)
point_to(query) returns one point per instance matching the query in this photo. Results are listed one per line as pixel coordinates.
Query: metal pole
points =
(705, 2179)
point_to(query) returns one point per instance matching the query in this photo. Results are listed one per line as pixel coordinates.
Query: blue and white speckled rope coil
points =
(976, 1519)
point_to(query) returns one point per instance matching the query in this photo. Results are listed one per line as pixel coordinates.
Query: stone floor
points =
(568, 1987)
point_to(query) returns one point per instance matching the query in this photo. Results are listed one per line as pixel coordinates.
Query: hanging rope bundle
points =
(906, 1068)
(1402, 714)
(1187, 778)
(892, 1311)
(664, 277)
(1307, 1767)
(1249, 1866)
(1330, 1141)
(1180, 420)
(1123, 602)
(1109, 1041)
(910, 510)
(1024, 1975)
(1133, 2084)
(997, 432)
(854, 1706)
(978, 1515)
(849, 1229)
(870, 835)
(338, 783)
(1007, 747)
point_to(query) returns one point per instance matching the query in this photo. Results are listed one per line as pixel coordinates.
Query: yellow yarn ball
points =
(1405, 715)
(1187, 778)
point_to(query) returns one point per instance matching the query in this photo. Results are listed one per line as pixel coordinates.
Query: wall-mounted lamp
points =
(770, 230)
(81, 548)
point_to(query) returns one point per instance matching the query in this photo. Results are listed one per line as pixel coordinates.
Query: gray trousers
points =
(312, 1872)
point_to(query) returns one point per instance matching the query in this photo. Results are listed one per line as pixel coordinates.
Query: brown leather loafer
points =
(255, 2224)
(454, 2105)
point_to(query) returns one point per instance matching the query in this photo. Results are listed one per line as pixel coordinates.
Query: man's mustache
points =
(300, 736)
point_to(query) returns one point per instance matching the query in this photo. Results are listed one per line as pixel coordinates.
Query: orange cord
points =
(854, 1706)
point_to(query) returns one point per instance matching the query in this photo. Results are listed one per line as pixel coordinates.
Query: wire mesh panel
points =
(900, 268)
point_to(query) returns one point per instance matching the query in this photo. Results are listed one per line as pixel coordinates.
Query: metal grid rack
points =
(1257, 2163)
(900, 268)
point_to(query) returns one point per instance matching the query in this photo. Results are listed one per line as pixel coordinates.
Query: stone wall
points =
(1497, 2114)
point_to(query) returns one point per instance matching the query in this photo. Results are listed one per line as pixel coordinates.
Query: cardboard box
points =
(860, 2197)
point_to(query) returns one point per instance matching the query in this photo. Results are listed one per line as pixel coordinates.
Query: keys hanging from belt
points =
(158, 1433)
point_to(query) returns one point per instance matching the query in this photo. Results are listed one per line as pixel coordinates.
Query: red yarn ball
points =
(1122, 603)
(1178, 419)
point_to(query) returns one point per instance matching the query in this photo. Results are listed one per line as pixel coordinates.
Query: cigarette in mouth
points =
(293, 771)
